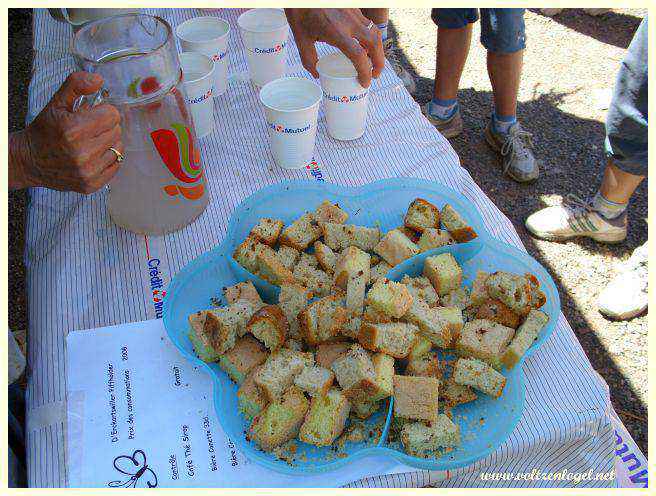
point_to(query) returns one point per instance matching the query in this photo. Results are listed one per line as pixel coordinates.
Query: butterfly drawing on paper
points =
(136, 468)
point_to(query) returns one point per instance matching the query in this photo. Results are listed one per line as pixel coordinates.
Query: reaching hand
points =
(346, 29)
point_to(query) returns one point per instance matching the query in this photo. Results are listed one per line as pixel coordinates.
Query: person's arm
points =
(346, 29)
(66, 150)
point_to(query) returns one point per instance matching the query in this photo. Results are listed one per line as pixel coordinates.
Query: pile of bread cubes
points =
(343, 338)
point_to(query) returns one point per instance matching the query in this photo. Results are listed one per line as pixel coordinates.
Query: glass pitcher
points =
(160, 186)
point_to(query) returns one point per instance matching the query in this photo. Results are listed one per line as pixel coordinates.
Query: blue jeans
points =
(502, 30)
(626, 122)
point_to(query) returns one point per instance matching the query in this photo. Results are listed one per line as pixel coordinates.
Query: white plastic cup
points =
(209, 36)
(198, 79)
(345, 100)
(291, 105)
(265, 33)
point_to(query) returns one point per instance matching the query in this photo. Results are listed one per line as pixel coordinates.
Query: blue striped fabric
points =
(83, 272)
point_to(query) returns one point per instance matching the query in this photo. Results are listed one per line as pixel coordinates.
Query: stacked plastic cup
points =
(345, 100)
(198, 79)
(209, 36)
(291, 106)
(265, 33)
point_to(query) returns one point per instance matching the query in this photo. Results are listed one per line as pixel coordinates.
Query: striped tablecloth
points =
(83, 272)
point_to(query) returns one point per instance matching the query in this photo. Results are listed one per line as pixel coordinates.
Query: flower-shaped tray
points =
(484, 423)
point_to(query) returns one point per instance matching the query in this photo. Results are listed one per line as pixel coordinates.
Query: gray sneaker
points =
(515, 152)
(627, 295)
(392, 54)
(447, 127)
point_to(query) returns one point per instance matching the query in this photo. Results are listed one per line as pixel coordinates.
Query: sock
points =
(442, 109)
(383, 30)
(502, 123)
(607, 208)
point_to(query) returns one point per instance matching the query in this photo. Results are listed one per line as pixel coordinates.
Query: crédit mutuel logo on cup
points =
(278, 47)
(345, 98)
(201, 98)
(289, 130)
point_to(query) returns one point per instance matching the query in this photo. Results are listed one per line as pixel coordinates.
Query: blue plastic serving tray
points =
(484, 423)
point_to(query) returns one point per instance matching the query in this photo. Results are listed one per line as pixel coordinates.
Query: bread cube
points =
(268, 230)
(326, 418)
(270, 268)
(384, 368)
(454, 394)
(280, 420)
(498, 312)
(456, 225)
(217, 331)
(353, 262)
(395, 247)
(329, 212)
(364, 409)
(270, 326)
(243, 291)
(479, 288)
(538, 298)
(379, 270)
(524, 337)
(389, 297)
(374, 315)
(421, 287)
(485, 340)
(421, 347)
(422, 215)
(250, 400)
(418, 438)
(244, 356)
(246, 254)
(316, 280)
(292, 299)
(341, 236)
(301, 233)
(430, 323)
(355, 373)
(315, 380)
(278, 372)
(425, 366)
(328, 352)
(288, 256)
(325, 256)
(452, 316)
(443, 272)
(512, 289)
(479, 375)
(394, 338)
(199, 339)
(355, 291)
(294, 344)
(351, 329)
(416, 398)
(457, 298)
(411, 234)
(433, 238)
(322, 319)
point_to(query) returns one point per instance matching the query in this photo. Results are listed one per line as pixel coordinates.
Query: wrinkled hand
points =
(69, 151)
(345, 29)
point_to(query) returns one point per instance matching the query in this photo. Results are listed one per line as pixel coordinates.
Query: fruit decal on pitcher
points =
(182, 159)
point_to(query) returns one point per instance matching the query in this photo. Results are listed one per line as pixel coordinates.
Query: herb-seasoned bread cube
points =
(355, 291)
(434, 238)
(496, 311)
(280, 421)
(325, 256)
(456, 225)
(421, 347)
(246, 254)
(355, 373)
(524, 337)
(328, 352)
(244, 356)
(277, 374)
(250, 400)
(270, 268)
(421, 287)
(430, 323)
(326, 418)
(395, 338)
(479, 375)
(443, 272)
(364, 409)
(422, 215)
(374, 315)
(479, 288)
(322, 319)
(454, 394)
(452, 316)
(199, 339)
(270, 326)
(457, 298)
(351, 329)
(292, 299)
(288, 256)
(216, 332)
(315, 380)
(485, 340)
(301, 233)
(268, 230)
(379, 270)
(341, 236)
(425, 366)
(418, 438)
(329, 212)
(512, 289)
(395, 247)
(389, 297)
(353, 262)
(316, 280)
(416, 398)
(243, 291)
(384, 368)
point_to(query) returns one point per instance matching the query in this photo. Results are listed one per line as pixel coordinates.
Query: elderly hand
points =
(66, 150)
(345, 29)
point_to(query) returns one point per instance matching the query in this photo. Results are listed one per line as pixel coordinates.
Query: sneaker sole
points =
(490, 141)
(608, 238)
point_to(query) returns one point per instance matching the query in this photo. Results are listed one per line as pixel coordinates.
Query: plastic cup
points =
(265, 33)
(345, 101)
(291, 106)
(198, 79)
(209, 36)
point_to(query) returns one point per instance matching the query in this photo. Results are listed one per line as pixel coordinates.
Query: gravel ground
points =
(562, 103)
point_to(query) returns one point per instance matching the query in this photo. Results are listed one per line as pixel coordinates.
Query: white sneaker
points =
(575, 218)
(627, 293)
(392, 54)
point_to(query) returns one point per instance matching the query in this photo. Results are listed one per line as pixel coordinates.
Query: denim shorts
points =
(502, 30)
